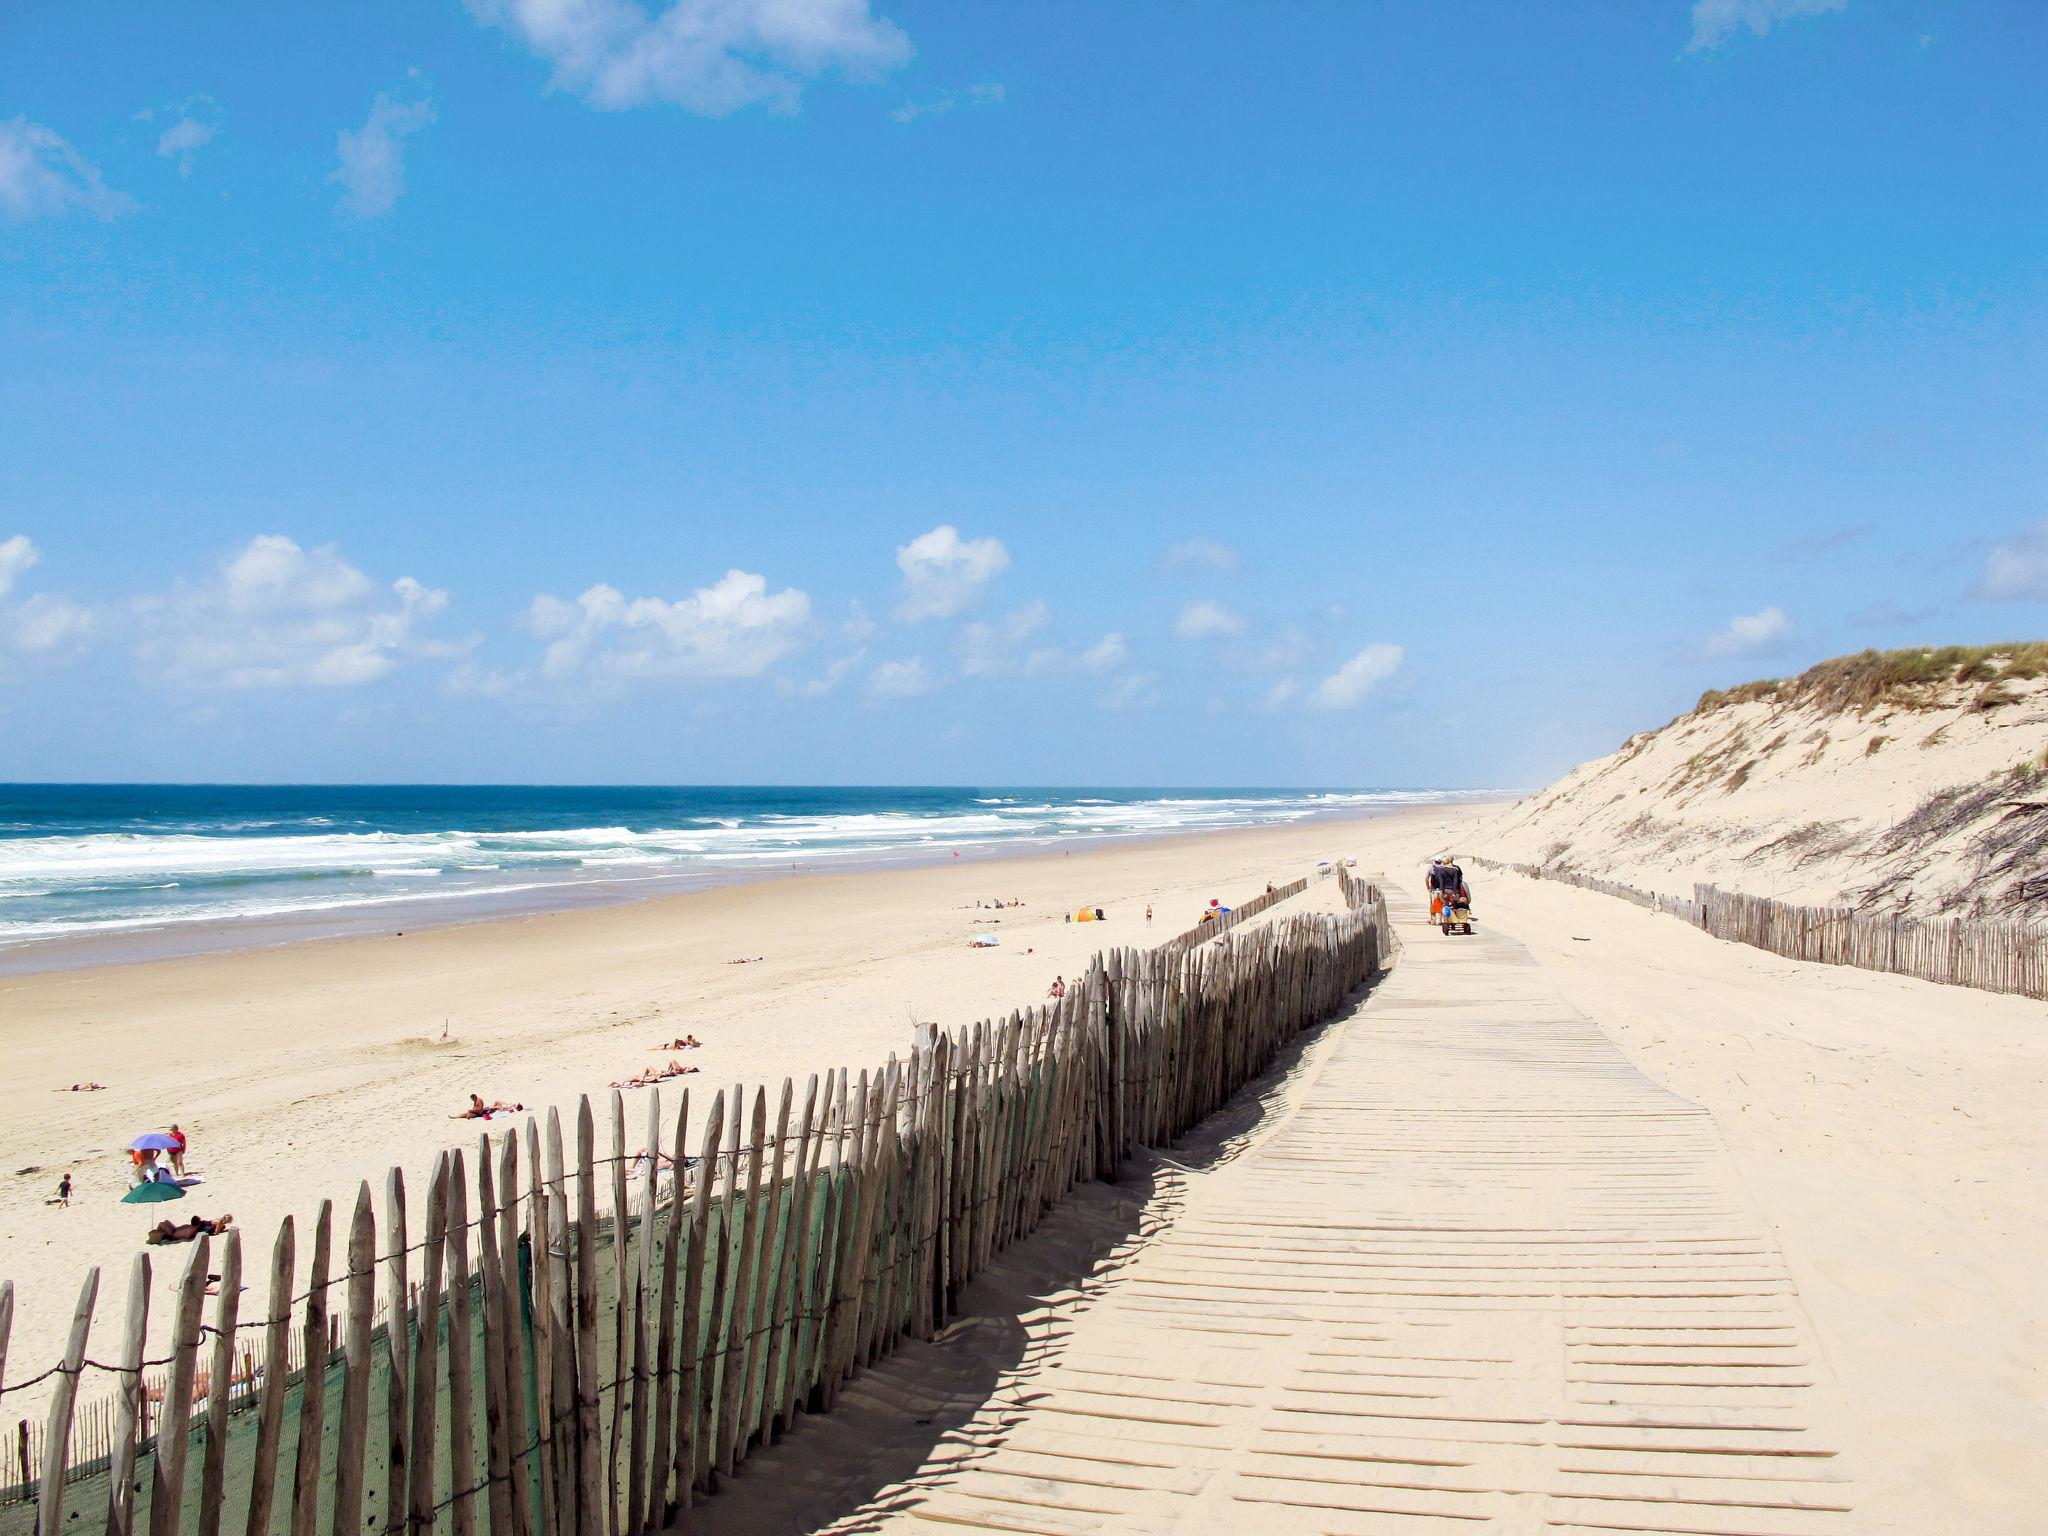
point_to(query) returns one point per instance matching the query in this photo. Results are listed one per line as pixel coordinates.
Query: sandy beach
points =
(300, 1069)
(1886, 1129)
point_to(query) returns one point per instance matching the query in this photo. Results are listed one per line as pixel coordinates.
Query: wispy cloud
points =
(1715, 21)
(1885, 614)
(906, 679)
(2017, 568)
(1819, 546)
(39, 622)
(1132, 691)
(836, 672)
(989, 93)
(42, 176)
(196, 123)
(1749, 632)
(943, 573)
(1203, 619)
(706, 56)
(1198, 555)
(371, 168)
(1005, 647)
(1348, 686)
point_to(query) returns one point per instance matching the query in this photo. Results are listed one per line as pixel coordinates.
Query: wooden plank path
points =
(1480, 1274)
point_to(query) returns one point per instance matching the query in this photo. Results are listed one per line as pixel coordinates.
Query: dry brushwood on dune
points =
(1897, 781)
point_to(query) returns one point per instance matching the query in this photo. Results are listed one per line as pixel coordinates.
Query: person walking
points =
(64, 1190)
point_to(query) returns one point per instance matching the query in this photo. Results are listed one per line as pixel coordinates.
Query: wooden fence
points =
(1215, 927)
(557, 1373)
(1963, 952)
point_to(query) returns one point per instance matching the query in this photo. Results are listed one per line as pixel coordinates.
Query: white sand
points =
(299, 1070)
(1895, 1135)
(1889, 1131)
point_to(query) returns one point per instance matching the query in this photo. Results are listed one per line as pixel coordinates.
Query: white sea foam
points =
(112, 881)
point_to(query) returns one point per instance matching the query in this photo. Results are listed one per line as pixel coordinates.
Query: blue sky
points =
(862, 391)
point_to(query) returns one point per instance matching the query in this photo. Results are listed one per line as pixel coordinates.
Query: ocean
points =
(147, 870)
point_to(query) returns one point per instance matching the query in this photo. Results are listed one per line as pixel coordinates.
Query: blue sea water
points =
(78, 861)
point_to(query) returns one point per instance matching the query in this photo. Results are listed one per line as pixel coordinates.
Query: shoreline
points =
(175, 940)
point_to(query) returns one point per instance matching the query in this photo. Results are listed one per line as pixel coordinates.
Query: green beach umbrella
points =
(152, 1194)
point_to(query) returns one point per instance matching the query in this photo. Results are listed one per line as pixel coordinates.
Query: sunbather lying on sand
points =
(744, 960)
(653, 1075)
(168, 1231)
(687, 1043)
(479, 1110)
(83, 1088)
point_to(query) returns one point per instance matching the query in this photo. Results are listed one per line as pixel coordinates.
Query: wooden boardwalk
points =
(1477, 1274)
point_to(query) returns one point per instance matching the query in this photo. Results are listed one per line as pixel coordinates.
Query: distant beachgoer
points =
(167, 1231)
(178, 1145)
(1148, 914)
(1058, 987)
(64, 1190)
(479, 1110)
(83, 1088)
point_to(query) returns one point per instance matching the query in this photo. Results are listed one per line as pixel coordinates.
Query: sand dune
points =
(1832, 788)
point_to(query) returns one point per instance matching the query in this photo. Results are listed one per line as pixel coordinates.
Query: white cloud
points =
(859, 628)
(1204, 620)
(2017, 568)
(707, 56)
(943, 573)
(1347, 687)
(1292, 647)
(734, 628)
(835, 673)
(988, 93)
(1106, 653)
(40, 622)
(45, 623)
(987, 649)
(1198, 555)
(1134, 690)
(371, 168)
(16, 556)
(1001, 648)
(1281, 692)
(276, 615)
(473, 680)
(900, 679)
(1715, 21)
(1749, 632)
(42, 176)
(189, 134)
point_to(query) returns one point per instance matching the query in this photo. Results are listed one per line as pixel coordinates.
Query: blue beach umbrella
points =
(152, 1194)
(155, 1141)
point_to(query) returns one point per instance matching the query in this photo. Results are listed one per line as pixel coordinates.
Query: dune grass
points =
(1907, 679)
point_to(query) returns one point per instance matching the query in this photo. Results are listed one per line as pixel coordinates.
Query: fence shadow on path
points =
(849, 1472)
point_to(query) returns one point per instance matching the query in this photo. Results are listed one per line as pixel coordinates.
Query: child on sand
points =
(63, 1191)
